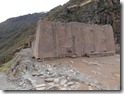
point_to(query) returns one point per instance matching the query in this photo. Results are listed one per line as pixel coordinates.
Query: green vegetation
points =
(4, 67)
(15, 32)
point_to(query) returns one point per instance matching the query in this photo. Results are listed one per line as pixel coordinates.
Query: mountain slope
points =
(15, 32)
(89, 11)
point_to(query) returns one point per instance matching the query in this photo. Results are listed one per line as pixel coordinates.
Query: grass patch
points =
(5, 67)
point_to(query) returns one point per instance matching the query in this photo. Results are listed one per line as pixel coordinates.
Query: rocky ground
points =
(101, 73)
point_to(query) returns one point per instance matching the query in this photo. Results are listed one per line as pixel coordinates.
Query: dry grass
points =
(6, 66)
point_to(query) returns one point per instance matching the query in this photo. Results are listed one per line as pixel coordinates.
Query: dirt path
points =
(104, 69)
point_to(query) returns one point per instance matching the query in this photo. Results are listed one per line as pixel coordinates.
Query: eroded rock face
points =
(96, 11)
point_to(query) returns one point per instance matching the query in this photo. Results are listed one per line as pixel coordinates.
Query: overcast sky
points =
(13, 8)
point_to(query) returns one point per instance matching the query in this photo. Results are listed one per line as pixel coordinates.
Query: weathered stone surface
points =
(72, 39)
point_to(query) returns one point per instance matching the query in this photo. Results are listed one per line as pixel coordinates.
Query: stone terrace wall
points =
(56, 39)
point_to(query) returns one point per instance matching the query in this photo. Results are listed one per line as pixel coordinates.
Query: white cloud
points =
(13, 8)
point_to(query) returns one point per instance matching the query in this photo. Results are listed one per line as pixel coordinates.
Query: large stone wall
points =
(55, 39)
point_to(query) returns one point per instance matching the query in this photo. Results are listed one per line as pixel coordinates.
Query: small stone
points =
(90, 88)
(77, 83)
(49, 80)
(52, 88)
(71, 70)
(65, 85)
(50, 73)
(69, 89)
(71, 62)
(63, 89)
(92, 84)
(56, 80)
(70, 83)
(73, 86)
(34, 74)
(41, 85)
(84, 61)
(51, 84)
(63, 77)
(39, 74)
(74, 73)
(33, 81)
(62, 82)
(41, 88)
(57, 85)
(74, 56)
(95, 81)
(50, 69)
(21, 83)
(68, 78)
(39, 60)
(87, 83)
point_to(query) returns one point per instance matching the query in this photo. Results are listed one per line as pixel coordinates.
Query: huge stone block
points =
(56, 39)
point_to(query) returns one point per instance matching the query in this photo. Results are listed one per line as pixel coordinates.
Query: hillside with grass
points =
(15, 33)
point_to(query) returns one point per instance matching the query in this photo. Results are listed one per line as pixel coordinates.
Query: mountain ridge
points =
(93, 12)
(14, 33)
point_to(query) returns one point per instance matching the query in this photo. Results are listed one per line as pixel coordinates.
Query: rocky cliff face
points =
(89, 11)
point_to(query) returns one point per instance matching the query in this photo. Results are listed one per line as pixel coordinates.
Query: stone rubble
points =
(53, 76)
